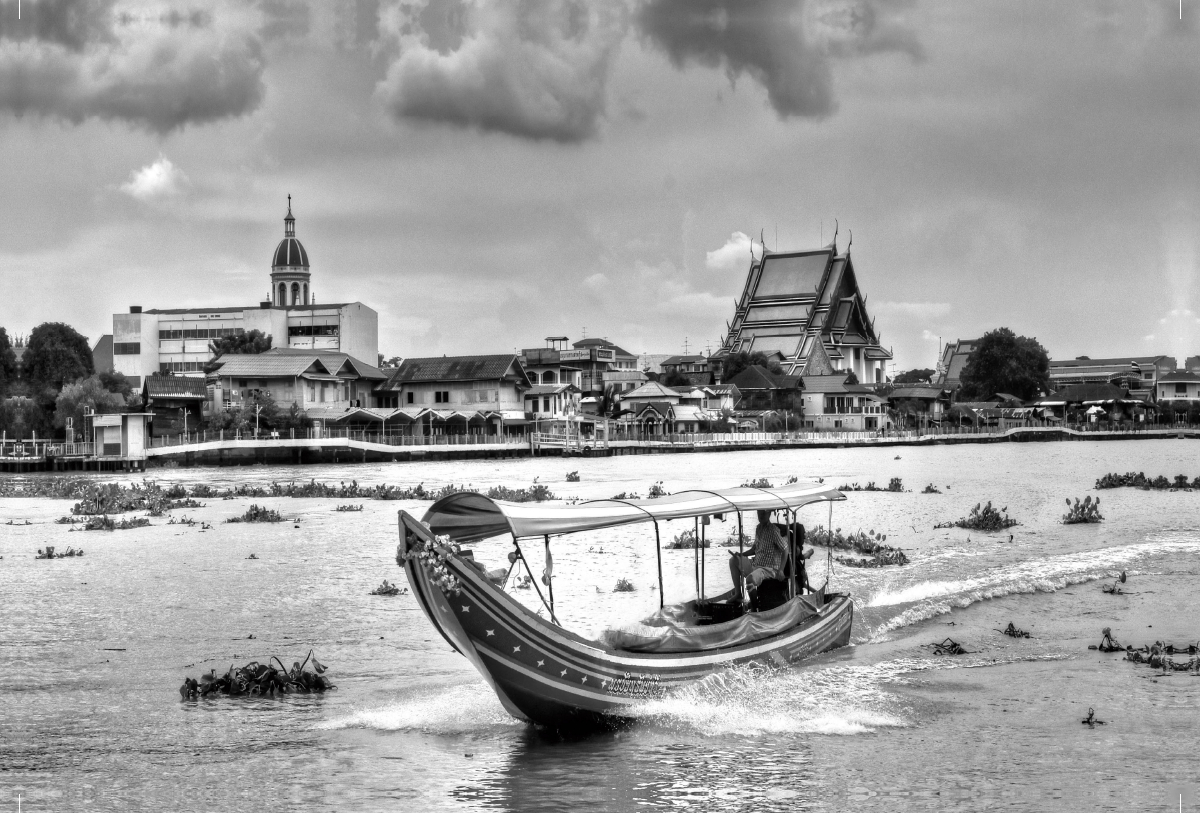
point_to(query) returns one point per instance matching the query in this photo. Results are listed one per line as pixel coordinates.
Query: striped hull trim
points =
(549, 676)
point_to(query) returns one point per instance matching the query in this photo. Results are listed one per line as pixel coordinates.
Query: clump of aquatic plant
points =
(107, 523)
(983, 518)
(1082, 512)
(868, 543)
(792, 479)
(257, 513)
(573, 477)
(894, 485)
(535, 493)
(184, 520)
(656, 490)
(624, 586)
(687, 540)
(626, 495)
(1140, 480)
(761, 482)
(931, 489)
(349, 508)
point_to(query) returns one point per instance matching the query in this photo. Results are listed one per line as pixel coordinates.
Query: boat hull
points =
(549, 676)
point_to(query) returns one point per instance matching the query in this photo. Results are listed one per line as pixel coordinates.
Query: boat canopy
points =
(469, 517)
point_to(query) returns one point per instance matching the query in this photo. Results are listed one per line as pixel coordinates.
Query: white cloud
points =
(156, 181)
(734, 255)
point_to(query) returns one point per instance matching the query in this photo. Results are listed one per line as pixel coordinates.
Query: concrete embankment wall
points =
(344, 450)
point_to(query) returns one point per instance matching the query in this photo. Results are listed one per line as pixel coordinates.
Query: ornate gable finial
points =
(851, 241)
(833, 242)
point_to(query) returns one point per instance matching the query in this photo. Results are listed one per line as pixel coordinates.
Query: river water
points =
(94, 649)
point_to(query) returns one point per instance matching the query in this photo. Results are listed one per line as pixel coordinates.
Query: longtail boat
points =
(550, 676)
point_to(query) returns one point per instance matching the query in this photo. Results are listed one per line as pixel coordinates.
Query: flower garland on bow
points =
(434, 555)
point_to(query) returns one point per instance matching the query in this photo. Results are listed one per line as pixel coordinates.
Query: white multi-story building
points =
(177, 340)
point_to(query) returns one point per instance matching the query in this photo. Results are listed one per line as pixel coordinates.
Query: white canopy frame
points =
(469, 517)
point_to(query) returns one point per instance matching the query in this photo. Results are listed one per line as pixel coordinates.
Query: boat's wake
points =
(934, 597)
(456, 710)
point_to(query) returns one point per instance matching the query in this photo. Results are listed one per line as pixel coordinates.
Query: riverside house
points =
(833, 404)
(1178, 388)
(483, 393)
(307, 378)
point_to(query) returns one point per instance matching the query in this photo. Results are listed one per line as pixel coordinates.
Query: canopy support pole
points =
(740, 537)
(550, 578)
(702, 562)
(533, 580)
(792, 553)
(696, 552)
(658, 552)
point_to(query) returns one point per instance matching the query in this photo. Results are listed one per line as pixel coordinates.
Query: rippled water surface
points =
(94, 650)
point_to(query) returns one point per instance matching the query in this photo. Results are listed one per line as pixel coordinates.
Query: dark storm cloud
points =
(536, 69)
(784, 45)
(157, 69)
(69, 23)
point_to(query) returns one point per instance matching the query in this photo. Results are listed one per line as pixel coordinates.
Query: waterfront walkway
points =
(367, 447)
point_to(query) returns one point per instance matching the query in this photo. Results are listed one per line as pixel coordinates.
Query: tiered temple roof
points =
(806, 306)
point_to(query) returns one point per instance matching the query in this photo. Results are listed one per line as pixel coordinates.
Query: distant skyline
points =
(485, 175)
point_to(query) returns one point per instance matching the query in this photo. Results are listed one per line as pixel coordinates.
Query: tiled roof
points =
(827, 383)
(1178, 377)
(1089, 392)
(684, 360)
(333, 361)
(175, 386)
(651, 390)
(455, 368)
(756, 377)
(268, 365)
(663, 408)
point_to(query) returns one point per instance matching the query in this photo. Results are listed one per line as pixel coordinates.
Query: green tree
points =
(240, 344)
(116, 382)
(1005, 362)
(8, 363)
(90, 392)
(923, 375)
(674, 379)
(734, 363)
(55, 355)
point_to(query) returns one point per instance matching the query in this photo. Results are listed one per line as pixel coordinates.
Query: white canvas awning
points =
(468, 517)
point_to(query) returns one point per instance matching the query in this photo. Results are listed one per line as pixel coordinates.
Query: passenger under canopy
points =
(470, 517)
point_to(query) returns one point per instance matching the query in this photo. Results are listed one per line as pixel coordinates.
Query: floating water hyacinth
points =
(1082, 512)
(983, 518)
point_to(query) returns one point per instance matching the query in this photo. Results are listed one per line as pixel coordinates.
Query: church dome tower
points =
(289, 267)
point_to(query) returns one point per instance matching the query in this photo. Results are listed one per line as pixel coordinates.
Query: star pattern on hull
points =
(541, 664)
(491, 633)
(516, 649)
(563, 673)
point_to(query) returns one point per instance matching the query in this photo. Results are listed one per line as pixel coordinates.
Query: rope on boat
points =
(533, 581)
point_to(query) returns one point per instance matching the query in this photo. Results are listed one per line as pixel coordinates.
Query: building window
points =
(441, 397)
(1181, 389)
(410, 397)
(295, 293)
(282, 300)
(312, 330)
(545, 405)
(127, 348)
(181, 366)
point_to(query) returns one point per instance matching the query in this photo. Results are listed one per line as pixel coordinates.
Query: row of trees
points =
(54, 381)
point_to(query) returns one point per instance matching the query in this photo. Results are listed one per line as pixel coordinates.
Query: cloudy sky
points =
(487, 174)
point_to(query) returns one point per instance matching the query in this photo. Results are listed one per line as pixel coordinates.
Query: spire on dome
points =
(289, 222)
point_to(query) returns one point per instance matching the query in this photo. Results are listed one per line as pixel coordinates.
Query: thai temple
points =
(806, 308)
